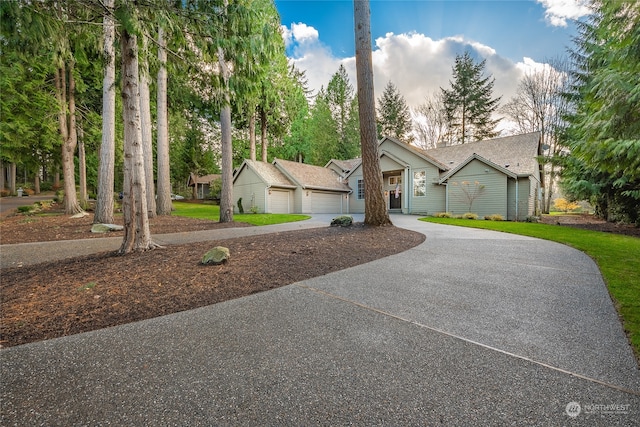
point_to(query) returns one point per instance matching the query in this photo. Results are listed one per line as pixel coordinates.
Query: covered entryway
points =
(324, 202)
(279, 200)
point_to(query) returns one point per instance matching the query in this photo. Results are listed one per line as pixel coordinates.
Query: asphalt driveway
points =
(472, 327)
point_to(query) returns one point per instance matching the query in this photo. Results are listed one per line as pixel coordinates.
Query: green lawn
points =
(617, 256)
(212, 212)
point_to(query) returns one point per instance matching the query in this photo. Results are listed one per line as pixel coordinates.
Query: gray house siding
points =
(478, 188)
(252, 189)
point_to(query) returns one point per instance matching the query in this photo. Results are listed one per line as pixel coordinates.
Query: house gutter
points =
(342, 190)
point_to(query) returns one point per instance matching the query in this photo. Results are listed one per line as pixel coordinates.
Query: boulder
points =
(216, 256)
(105, 228)
(342, 221)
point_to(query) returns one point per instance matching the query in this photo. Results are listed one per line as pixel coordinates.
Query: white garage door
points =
(279, 201)
(326, 202)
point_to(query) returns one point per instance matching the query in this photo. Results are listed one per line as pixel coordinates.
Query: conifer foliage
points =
(603, 135)
(469, 103)
(394, 119)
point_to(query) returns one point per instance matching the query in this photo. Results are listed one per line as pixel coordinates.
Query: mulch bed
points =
(81, 294)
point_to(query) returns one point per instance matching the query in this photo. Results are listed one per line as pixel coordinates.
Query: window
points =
(361, 189)
(395, 180)
(420, 184)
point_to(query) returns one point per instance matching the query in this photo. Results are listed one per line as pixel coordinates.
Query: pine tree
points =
(469, 104)
(394, 119)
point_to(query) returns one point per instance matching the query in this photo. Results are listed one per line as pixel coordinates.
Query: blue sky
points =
(415, 41)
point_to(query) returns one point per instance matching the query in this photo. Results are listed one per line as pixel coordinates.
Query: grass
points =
(212, 212)
(617, 256)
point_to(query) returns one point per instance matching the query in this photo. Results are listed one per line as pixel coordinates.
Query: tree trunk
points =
(67, 123)
(226, 192)
(12, 178)
(375, 211)
(104, 201)
(252, 136)
(36, 182)
(3, 171)
(163, 204)
(147, 137)
(82, 166)
(137, 236)
(263, 133)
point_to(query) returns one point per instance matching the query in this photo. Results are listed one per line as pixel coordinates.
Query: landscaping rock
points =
(105, 228)
(342, 221)
(216, 256)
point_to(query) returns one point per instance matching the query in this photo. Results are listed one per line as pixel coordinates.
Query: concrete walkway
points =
(472, 327)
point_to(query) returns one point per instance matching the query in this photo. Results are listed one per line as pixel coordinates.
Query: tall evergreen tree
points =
(340, 97)
(394, 119)
(104, 199)
(469, 103)
(603, 135)
(375, 210)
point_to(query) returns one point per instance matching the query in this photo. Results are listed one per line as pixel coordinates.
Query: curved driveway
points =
(472, 327)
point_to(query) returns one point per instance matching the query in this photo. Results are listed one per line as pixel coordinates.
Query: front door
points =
(395, 200)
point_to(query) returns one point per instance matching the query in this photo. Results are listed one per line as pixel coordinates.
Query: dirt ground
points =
(589, 222)
(60, 298)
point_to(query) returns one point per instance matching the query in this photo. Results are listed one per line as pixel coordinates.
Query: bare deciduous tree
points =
(539, 105)
(430, 122)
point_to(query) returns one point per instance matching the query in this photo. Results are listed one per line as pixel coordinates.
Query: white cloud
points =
(416, 64)
(310, 54)
(558, 11)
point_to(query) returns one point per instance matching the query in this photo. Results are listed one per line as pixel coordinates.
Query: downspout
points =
(517, 200)
(406, 193)
(266, 197)
(446, 197)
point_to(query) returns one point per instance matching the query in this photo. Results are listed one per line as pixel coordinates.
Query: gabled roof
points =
(475, 156)
(311, 177)
(267, 172)
(204, 179)
(516, 153)
(420, 153)
(345, 165)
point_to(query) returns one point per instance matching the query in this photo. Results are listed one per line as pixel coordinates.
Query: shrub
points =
(494, 217)
(443, 215)
(470, 215)
(4, 193)
(564, 205)
(25, 209)
(46, 186)
(532, 218)
(254, 209)
(240, 208)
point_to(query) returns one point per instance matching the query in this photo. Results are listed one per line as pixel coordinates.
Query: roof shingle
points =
(517, 153)
(313, 177)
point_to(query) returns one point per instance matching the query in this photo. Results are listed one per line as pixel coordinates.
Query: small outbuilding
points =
(201, 185)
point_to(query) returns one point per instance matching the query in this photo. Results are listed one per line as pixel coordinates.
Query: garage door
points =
(326, 202)
(279, 201)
